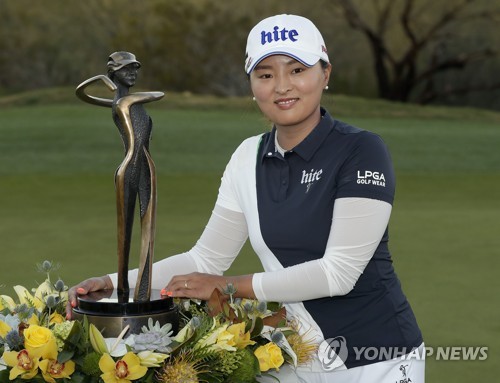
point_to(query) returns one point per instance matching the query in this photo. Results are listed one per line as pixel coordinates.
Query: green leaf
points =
(149, 377)
(282, 323)
(226, 308)
(78, 377)
(4, 376)
(273, 306)
(248, 325)
(256, 365)
(75, 334)
(65, 355)
(257, 328)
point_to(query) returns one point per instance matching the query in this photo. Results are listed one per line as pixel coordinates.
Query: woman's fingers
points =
(194, 285)
(85, 287)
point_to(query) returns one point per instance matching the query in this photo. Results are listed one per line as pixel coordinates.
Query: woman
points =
(314, 196)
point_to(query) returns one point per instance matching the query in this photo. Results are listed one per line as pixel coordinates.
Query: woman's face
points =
(126, 75)
(288, 92)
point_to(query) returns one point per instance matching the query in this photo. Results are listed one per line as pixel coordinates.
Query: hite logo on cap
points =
(290, 35)
(277, 35)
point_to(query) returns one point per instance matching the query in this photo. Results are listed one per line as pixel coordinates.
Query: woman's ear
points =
(327, 72)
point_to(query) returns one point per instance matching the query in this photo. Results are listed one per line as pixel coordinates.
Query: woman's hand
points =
(194, 285)
(201, 286)
(85, 287)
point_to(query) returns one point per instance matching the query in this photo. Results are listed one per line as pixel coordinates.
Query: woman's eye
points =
(265, 75)
(297, 70)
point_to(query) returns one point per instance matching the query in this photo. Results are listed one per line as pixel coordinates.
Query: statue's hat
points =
(118, 60)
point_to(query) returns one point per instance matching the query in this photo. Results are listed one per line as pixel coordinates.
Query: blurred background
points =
(421, 73)
(420, 51)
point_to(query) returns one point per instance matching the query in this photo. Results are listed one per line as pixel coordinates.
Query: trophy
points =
(135, 179)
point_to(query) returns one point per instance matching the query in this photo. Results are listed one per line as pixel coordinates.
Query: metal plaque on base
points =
(110, 314)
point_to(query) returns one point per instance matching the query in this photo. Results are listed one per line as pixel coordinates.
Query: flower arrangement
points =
(222, 340)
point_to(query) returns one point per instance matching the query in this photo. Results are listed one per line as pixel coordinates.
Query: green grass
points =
(56, 187)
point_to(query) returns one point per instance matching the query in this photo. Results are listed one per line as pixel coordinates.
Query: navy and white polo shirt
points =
(288, 204)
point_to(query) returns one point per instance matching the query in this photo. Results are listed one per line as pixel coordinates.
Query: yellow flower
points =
(40, 342)
(23, 364)
(182, 368)
(25, 297)
(44, 290)
(241, 338)
(225, 341)
(4, 329)
(218, 339)
(7, 302)
(269, 356)
(304, 348)
(33, 320)
(56, 318)
(52, 369)
(125, 370)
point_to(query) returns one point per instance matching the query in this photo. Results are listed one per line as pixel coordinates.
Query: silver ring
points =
(185, 284)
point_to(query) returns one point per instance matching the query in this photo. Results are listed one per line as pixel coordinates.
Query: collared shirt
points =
(296, 192)
(288, 204)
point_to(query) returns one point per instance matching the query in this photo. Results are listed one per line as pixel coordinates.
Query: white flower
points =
(3, 366)
(151, 359)
(116, 346)
(186, 332)
(12, 320)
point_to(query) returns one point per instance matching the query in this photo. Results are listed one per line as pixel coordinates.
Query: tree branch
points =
(457, 62)
(432, 95)
(383, 16)
(405, 21)
(354, 20)
(444, 20)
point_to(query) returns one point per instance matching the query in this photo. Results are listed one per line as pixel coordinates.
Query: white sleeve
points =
(358, 225)
(219, 244)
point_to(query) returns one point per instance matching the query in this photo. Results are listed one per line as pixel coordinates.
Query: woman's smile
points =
(289, 94)
(286, 103)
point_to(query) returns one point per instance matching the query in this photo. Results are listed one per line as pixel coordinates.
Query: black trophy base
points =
(111, 312)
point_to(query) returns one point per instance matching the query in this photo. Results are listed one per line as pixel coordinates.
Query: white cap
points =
(289, 35)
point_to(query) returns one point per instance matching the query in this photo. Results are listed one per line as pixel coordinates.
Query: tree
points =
(433, 44)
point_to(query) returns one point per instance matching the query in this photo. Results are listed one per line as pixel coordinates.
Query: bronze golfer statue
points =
(135, 178)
